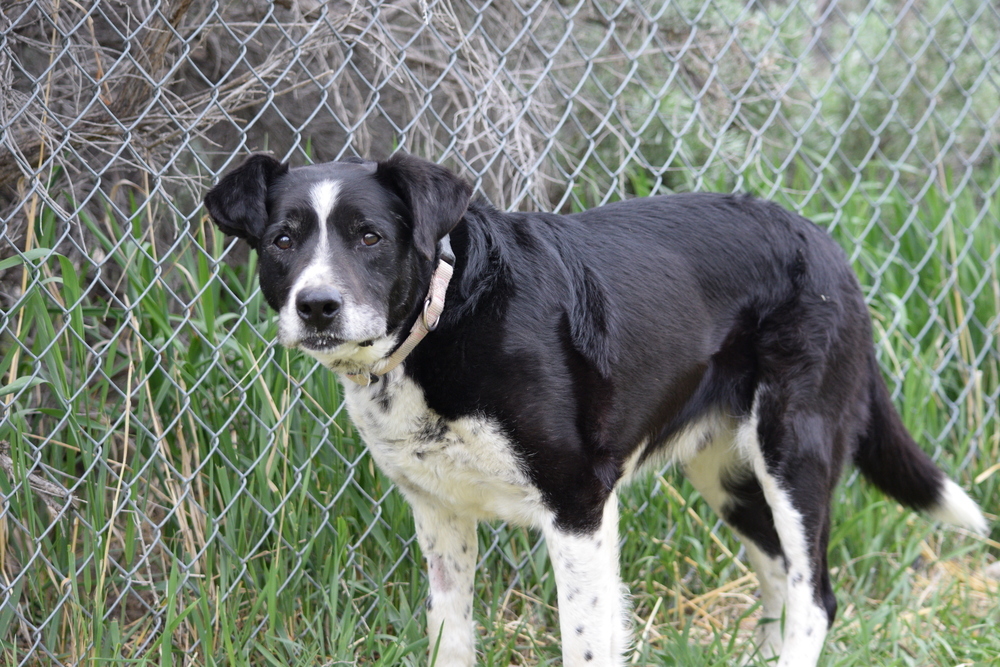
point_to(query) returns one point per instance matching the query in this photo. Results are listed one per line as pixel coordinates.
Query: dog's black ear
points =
(238, 204)
(437, 198)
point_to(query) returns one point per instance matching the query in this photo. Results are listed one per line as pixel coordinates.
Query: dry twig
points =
(55, 497)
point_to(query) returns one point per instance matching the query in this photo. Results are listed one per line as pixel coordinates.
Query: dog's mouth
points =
(326, 342)
(321, 342)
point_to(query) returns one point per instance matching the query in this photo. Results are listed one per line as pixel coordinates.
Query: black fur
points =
(889, 457)
(590, 334)
(238, 204)
(748, 513)
(435, 198)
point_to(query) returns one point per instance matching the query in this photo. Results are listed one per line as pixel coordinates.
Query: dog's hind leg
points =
(727, 483)
(449, 545)
(592, 606)
(793, 459)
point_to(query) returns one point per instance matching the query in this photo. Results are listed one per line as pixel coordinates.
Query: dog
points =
(525, 366)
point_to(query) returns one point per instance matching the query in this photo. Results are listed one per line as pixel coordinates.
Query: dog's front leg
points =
(448, 541)
(592, 606)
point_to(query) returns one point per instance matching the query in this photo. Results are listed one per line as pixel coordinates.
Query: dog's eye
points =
(284, 242)
(370, 238)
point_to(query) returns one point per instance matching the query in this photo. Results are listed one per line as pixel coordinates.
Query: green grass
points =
(228, 514)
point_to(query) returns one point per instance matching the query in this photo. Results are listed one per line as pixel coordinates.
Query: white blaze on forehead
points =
(324, 198)
(318, 272)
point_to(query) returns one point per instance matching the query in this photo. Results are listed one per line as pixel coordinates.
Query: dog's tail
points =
(893, 462)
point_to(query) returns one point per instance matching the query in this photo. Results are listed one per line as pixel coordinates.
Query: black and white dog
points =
(566, 354)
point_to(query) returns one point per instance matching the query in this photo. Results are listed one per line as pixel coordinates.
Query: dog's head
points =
(346, 248)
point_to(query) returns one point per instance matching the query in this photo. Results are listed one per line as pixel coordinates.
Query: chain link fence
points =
(164, 460)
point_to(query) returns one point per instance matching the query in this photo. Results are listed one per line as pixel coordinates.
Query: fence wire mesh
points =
(163, 451)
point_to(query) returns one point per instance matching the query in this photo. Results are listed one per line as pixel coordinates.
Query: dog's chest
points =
(466, 463)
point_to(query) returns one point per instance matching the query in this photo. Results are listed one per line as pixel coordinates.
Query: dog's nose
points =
(317, 306)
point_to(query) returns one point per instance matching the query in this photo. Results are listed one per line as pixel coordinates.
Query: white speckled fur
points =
(453, 473)
(448, 542)
(468, 466)
(593, 614)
